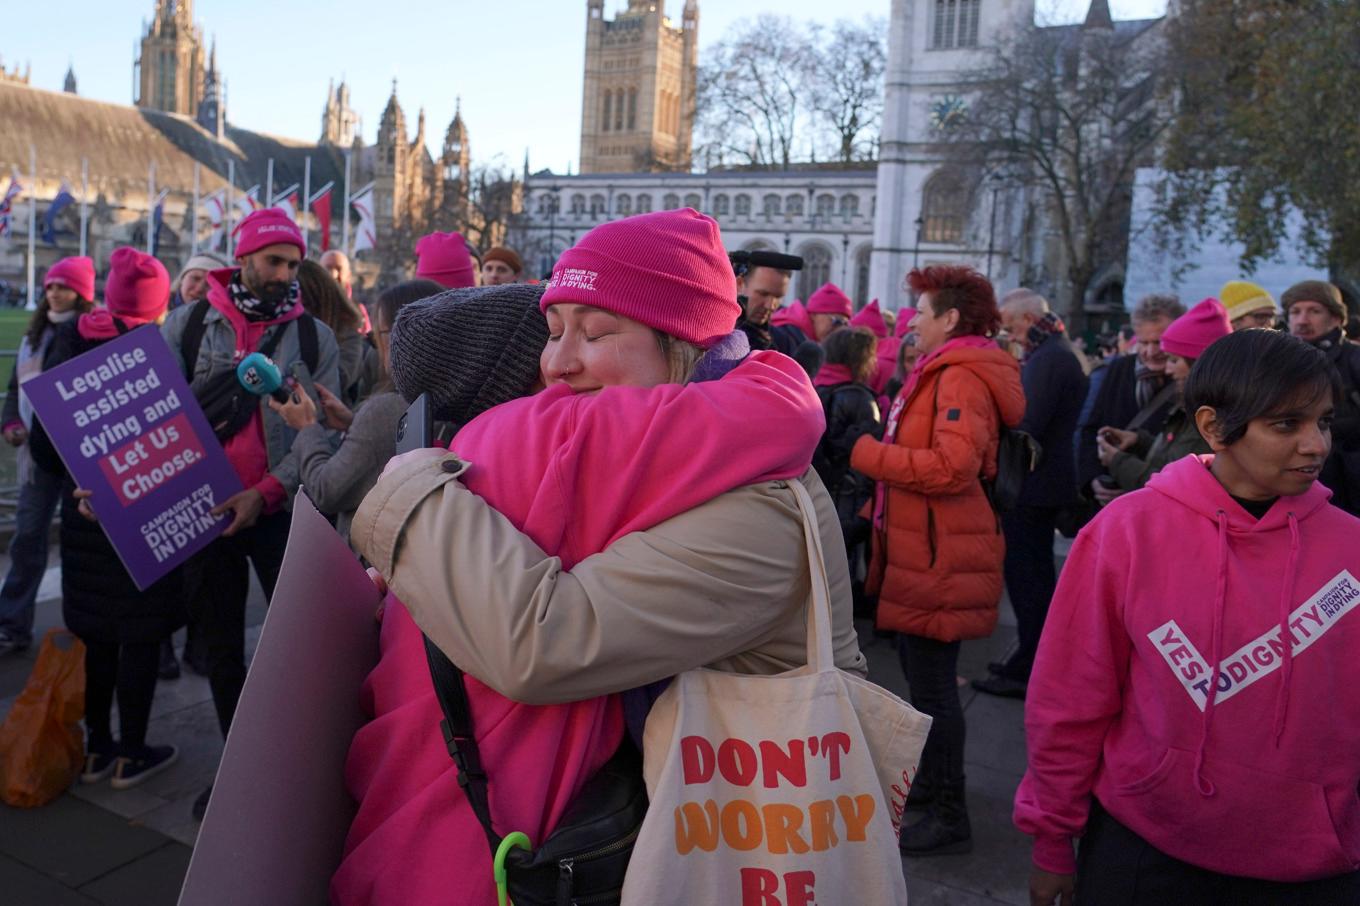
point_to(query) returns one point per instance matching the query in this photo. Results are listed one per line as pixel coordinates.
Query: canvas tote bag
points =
(781, 790)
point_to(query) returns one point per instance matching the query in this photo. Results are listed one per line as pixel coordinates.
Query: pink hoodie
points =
(1171, 585)
(574, 473)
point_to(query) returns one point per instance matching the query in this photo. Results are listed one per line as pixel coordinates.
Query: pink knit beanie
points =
(903, 323)
(830, 300)
(667, 270)
(75, 273)
(1196, 330)
(266, 227)
(444, 258)
(138, 287)
(869, 316)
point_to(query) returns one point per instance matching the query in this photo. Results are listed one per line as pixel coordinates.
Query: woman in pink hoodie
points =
(1191, 716)
(616, 444)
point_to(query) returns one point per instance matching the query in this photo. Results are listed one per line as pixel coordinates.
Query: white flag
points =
(215, 207)
(249, 203)
(366, 236)
(287, 202)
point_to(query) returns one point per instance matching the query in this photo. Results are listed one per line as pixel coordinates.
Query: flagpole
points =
(231, 206)
(150, 205)
(84, 199)
(193, 217)
(32, 223)
(269, 185)
(344, 218)
(306, 199)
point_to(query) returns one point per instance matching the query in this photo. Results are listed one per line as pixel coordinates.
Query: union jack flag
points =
(7, 205)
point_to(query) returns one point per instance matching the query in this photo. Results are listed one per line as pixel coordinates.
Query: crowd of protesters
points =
(628, 517)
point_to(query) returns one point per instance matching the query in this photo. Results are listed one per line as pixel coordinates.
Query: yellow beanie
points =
(1242, 298)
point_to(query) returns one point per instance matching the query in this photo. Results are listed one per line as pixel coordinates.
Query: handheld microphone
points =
(259, 375)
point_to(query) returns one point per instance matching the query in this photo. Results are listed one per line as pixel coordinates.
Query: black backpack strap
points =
(307, 341)
(191, 341)
(459, 738)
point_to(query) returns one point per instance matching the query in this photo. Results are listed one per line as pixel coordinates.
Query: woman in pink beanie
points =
(445, 259)
(652, 408)
(122, 627)
(68, 291)
(1133, 457)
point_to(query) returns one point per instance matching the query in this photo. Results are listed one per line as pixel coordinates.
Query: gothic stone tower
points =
(170, 69)
(339, 122)
(638, 106)
(455, 162)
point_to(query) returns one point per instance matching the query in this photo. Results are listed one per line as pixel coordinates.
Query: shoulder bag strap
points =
(459, 738)
(1153, 406)
(821, 655)
(191, 341)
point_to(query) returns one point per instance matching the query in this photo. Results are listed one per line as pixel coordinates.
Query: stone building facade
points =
(824, 214)
(170, 70)
(637, 109)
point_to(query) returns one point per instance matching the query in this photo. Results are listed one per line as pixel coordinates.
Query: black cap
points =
(743, 261)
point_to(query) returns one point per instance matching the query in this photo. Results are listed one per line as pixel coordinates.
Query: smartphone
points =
(416, 428)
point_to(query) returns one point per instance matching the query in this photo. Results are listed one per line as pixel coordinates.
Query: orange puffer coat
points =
(937, 568)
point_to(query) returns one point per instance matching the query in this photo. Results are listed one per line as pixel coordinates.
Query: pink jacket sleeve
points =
(1075, 693)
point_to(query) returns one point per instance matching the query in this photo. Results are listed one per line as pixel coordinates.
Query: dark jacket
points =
(851, 413)
(1055, 388)
(1115, 407)
(1178, 439)
(787, 338)
(1341, 471)
(99, 601)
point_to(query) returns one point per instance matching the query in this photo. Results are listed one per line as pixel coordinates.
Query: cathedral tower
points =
(170, 69)
(212, 112)
(339, 122)
(638, 106)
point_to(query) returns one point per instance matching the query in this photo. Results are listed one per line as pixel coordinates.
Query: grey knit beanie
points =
(469, 349)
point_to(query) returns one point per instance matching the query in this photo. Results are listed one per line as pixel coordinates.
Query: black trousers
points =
(931, 669)
(1031, 578)
(1116, 867)
(221, 575)
(130, 671)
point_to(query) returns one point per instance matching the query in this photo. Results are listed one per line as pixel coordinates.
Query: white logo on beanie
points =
(576, 278)
(277, 228)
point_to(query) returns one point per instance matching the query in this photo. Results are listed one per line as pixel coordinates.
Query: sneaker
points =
(201, 804)
(131, 771)
(169, 668)
(13, 644)
(99, 764)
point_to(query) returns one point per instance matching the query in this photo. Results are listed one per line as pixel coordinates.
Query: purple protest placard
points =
(129, 429)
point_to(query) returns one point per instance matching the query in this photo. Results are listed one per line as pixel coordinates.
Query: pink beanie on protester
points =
(667, 270)
(264, 228)
(830, 300)
(1196, 330)
(444, 258)
(903, 323)
(869, 316)
(75, 273)
(138, 287)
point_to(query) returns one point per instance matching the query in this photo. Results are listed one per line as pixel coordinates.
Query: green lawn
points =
(13, 322)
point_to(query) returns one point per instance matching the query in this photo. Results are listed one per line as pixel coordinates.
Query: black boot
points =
(945, 829)
(922, 793)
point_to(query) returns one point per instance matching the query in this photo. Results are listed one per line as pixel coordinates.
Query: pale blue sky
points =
(516, 63)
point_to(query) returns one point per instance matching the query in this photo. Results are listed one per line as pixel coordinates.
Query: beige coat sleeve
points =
(723, 585)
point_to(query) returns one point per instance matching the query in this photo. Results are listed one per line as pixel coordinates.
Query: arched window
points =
(597, 205)
(671, 201)
(632, 108)
(816, 269)
(578, 204)
(722, 206)
(623, 205)
(743, 206)
(769, 205)
(956, 24)
(644, 204)
(545, 204)
(793, 205)
(826, 207)
(692, 200)
(944, 204)
(849, 206)
(862, 259)
(608, 108)
(618, 111)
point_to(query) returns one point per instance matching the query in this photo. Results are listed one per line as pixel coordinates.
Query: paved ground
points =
(95, 845)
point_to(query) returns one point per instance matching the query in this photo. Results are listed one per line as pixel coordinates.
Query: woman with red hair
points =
(937, 543)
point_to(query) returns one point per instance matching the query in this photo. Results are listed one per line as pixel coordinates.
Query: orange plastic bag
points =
(42, 748)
